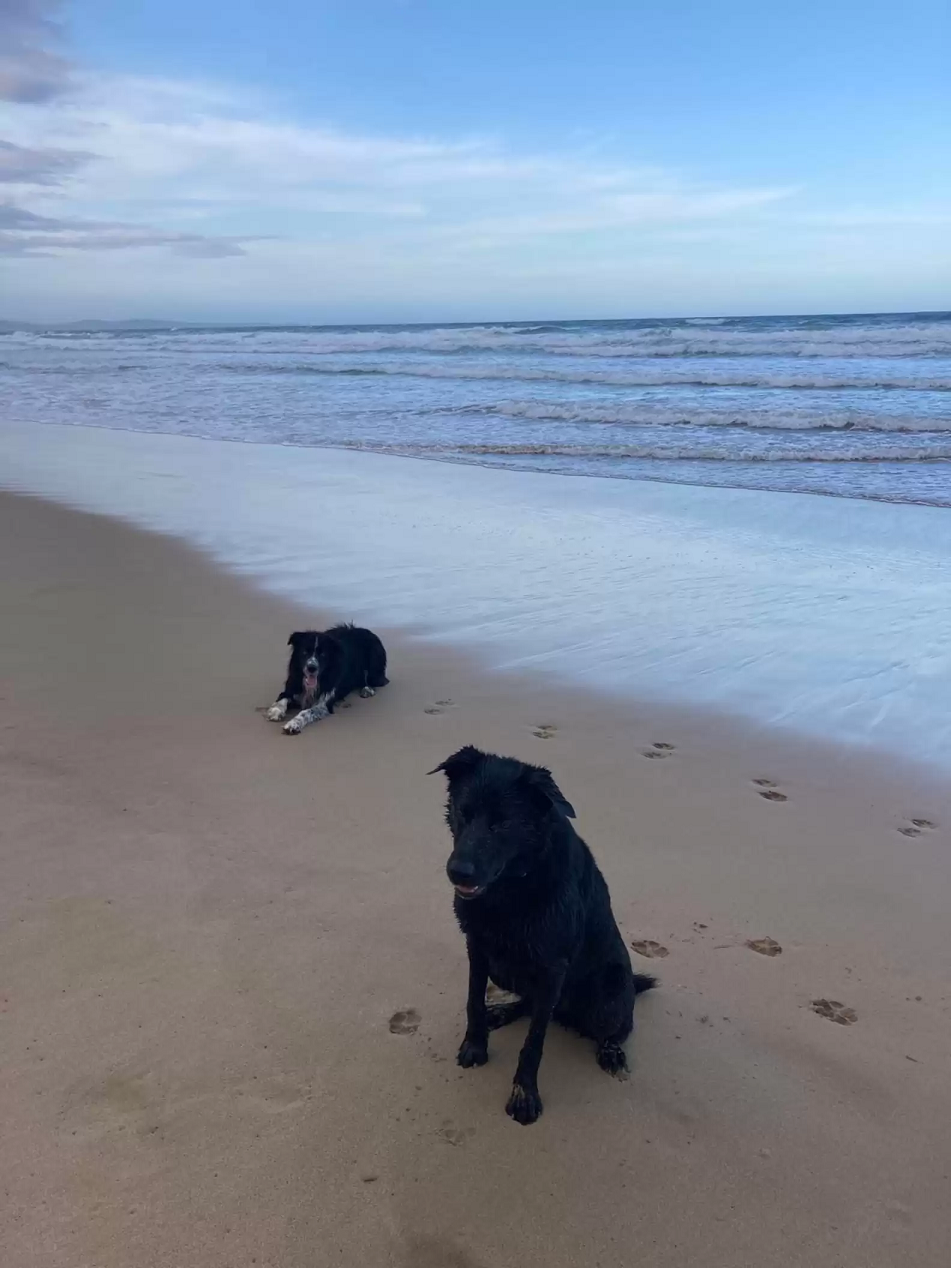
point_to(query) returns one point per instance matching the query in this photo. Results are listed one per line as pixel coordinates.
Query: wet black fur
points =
(349, 659)
(540, 924)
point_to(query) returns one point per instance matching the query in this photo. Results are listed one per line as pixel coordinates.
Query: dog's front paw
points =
(524, 1105)
(294, 727)
(277, 712)
(367, 692)
(472, 1054)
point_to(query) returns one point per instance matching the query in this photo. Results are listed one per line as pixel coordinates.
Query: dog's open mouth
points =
(469, 891)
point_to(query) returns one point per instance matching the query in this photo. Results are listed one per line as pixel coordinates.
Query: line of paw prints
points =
(406, 1023)
(831, 1009)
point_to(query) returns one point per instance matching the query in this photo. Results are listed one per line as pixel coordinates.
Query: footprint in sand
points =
(767, 788)
(405, 1022)
(544, 730)
(764, 946)
(453, 1135)
(833, 1010)
(659, 749)
(439, 707)
(649, 948)
(915, 827)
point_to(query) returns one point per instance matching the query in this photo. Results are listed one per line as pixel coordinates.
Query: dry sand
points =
(206, 928)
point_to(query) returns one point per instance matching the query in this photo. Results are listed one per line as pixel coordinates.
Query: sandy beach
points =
(206, 929)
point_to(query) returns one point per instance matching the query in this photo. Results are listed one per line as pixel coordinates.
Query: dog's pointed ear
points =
(461, 763)
(540, 781)
(295, 638)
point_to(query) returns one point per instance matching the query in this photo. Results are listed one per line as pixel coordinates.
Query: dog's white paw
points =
(367, 692)
(277, 712)
(294, 727)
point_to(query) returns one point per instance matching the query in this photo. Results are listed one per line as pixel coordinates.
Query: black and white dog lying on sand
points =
(324, 668)
(537, 919)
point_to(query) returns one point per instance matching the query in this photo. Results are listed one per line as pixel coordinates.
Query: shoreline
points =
(827, 619)
(207, 926)
(455, 461)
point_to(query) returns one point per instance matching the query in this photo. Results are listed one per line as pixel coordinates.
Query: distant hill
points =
(93, 326)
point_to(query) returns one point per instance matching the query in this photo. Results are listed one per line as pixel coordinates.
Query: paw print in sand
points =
(768, 790)
(915, 827)
(405, 1022)
(659, 749)
(833, 1010)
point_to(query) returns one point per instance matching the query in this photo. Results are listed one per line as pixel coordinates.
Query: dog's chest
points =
(514, 949)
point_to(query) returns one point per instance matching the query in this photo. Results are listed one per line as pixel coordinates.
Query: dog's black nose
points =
(460, 872)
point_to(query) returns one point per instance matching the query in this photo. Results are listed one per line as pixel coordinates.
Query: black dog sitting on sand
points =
(324, 668)
(536, 914)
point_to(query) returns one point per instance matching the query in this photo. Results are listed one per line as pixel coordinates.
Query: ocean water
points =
(856, 406)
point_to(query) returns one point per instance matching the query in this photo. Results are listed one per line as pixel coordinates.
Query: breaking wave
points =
(662, 415)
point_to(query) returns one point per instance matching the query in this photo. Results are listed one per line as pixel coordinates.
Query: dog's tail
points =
(617, 979)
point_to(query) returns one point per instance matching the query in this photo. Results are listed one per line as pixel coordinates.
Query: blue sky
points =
(426, 160)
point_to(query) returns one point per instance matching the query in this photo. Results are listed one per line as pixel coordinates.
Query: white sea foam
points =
(733, 337)
(828, 617)
(709, 451)
(829, 378)
(739, 415)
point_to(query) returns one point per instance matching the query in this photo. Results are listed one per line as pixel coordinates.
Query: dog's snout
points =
(460, 871)
(311, 666)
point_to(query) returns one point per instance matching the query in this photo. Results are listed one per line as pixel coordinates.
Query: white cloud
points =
(24, 233)
(203, 200)
(160, 152)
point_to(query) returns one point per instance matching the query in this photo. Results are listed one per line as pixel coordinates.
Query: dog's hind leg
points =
(611, 1057)
(376, 674)
(618, 1019)
(610, 1020)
